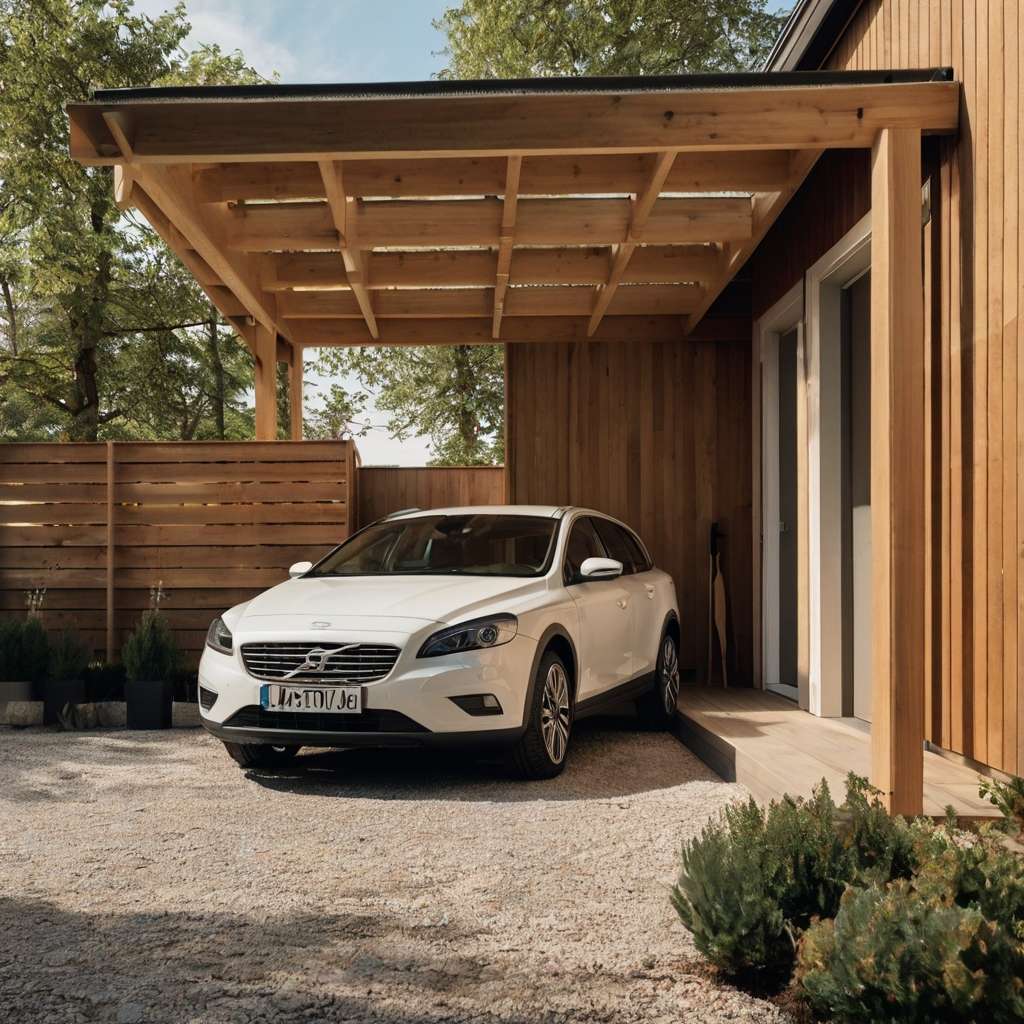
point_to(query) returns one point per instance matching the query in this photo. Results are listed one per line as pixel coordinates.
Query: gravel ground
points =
(143, 877)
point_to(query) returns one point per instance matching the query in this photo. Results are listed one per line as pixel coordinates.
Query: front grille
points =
(369, 720)
(338, 663)
(207, 698)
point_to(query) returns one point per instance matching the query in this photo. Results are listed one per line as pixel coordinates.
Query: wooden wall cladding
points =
(658, 435)
(215, 522)
(386, 489)
(974, 245)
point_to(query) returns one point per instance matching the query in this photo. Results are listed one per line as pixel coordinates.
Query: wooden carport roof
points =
(461, 212)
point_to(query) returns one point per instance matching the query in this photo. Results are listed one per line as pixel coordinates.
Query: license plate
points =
(334, 699)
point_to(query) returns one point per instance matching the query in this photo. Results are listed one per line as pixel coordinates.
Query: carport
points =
(599, 228)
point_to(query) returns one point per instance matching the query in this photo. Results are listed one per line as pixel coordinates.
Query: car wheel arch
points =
(556, 637)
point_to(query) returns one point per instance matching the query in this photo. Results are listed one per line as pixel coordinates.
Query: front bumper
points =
(410, 707)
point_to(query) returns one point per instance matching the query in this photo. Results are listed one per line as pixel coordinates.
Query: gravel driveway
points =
(143, 877)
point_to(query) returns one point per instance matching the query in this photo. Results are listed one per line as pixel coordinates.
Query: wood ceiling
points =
(419, 219)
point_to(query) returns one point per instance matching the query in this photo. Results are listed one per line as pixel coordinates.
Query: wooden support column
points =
(265, 383)
(110, 552)
(897, 471)
(295, 393)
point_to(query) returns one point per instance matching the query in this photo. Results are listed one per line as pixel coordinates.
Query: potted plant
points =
(65, 679)
(151, 659)
(14, 682)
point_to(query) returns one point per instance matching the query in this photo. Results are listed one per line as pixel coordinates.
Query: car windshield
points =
(468, 545)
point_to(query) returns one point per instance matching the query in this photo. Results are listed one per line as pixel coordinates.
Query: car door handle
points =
(649, 587)
(622, 602)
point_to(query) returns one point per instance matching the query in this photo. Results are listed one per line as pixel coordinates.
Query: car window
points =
(621, 546)
(583, 543)
(470, 545)
(641, 561)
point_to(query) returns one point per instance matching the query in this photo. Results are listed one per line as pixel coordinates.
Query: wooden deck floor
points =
(772, 747)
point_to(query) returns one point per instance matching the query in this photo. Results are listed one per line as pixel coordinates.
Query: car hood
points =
(410, 600)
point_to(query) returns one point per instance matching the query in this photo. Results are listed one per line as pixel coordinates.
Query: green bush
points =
(69, 656)
(150, 652)
(35, 650)
(10, 650)
(1008, 797)
(897, 954)
(754, 880)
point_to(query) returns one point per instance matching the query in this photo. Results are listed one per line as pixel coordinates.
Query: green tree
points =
(453, 394)
(92, 303)
(537, 38)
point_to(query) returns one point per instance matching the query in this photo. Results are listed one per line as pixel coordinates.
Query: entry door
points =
(787, 524)
(856, 337)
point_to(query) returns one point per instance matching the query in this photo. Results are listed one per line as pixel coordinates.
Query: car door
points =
(605, 619)
(625, 548)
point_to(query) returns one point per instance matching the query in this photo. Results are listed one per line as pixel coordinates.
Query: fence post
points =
(110, 551)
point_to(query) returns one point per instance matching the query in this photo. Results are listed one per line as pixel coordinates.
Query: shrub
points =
(35, 650)
(897, 954)
(754, 880)
(150, 652)
(10, 649)
(1008, 797)
(69, 656)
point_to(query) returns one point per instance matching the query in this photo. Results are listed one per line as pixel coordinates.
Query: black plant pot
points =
(149, 703)
(57, 693)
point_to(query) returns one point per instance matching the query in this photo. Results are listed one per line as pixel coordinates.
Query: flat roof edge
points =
(516, 87)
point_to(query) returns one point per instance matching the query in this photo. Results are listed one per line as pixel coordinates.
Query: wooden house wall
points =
(657, 434)
(973, 243)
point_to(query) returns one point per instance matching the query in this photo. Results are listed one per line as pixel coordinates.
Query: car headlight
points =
(477, 635)
(218, 636)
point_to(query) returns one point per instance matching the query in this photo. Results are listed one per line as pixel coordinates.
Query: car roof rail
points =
(399, 512)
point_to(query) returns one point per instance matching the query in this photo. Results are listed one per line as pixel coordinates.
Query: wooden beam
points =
(295, 383)
(767, 117)
(652, 264)
(897, 472)
(400, 224)
(756, 171)
(641, 210)
(110, 553)
(505, 238)
(343, 216)
(539, 300)
(265, 383)
(765, 209)
(468, 331)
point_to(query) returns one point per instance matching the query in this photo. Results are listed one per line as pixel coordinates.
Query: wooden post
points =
(897, 471)
(295, 393)
(110, 552)
(265, 381)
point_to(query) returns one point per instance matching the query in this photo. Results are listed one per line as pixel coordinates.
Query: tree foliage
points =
(102, 328)
(538, 38)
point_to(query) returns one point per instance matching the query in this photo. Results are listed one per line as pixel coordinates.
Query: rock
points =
(23, 713)
(131, 1013)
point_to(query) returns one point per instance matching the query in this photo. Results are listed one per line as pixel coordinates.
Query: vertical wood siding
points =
(973, 297)
(659, 436)
(385, 489)
(215, 523)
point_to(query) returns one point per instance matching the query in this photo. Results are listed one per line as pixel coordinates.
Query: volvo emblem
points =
(316, 661)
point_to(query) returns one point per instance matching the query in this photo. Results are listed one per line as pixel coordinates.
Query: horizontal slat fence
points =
(387, 489)
(97, 525)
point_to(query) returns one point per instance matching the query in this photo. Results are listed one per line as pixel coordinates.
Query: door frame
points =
(847, 260)
(786, 315)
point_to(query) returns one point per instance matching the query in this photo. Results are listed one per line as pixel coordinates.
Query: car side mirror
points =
(600, 569)
(300, 569)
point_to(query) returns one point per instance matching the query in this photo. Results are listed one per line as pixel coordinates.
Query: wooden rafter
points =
(343, 214)
(505, 238)
(643, 204)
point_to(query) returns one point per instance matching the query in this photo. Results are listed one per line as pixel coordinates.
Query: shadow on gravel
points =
(217, 966)
(609, 758)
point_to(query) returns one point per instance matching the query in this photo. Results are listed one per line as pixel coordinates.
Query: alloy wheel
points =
(554, 713)
(669, 675)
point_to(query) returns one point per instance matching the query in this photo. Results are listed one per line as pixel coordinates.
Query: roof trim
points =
(517, 87)
(809, 35)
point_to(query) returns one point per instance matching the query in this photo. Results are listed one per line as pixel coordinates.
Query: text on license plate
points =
(337, 699)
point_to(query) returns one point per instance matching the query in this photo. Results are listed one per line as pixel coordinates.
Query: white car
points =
(497, 625)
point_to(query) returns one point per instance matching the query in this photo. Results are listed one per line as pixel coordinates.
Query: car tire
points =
(260, 755)
(541, 752)
(656, 709)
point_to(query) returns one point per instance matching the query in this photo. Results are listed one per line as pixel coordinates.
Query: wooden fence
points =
(97, 525)
(388, 489)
